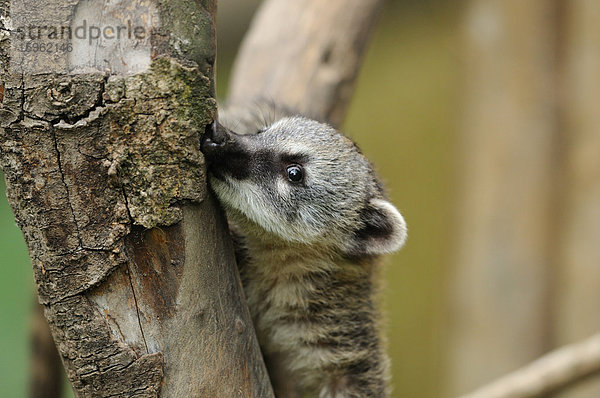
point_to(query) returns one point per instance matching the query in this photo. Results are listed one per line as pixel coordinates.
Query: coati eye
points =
(295, 173)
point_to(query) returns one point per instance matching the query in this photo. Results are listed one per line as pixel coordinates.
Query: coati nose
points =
(215, 136)
(225, 152)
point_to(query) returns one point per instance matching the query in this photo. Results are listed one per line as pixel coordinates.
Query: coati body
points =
(311, 219)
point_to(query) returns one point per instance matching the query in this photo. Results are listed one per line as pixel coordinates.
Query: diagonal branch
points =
(548, 374)
(304, 55)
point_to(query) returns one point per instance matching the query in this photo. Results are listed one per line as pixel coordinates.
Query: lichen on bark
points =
(155, 154)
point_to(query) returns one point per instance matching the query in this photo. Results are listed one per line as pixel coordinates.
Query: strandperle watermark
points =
(94, 35)
(85, 31)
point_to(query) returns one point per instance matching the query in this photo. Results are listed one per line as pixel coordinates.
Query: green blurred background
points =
(402, 116)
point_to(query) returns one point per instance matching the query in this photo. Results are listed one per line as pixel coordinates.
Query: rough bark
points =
(304, 56)
(506, 221)
(131, 257)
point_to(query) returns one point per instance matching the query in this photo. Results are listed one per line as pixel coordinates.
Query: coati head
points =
(303, 182)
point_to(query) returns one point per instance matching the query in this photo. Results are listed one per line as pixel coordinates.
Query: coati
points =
(310, 219)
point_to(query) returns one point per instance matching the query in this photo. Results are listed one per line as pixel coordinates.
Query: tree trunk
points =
(132, 259)
(506, 221)
(578, 292)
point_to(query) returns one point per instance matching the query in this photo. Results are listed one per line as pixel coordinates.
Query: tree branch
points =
(304, 55)
(46, 378)
(550, 373)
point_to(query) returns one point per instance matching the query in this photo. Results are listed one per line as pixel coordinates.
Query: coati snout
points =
(225, 152)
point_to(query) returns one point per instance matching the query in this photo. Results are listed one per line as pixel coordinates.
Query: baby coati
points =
(310, 218)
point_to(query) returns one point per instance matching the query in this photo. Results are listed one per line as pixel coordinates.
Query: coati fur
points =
(310, 219)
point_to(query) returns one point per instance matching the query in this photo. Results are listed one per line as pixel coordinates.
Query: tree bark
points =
(131, 256)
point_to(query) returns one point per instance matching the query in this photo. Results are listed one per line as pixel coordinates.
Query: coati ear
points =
(383, 229)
